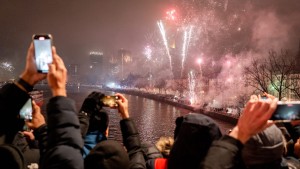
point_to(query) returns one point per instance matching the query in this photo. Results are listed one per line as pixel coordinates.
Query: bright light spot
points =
(199, 61)
(112, 85)
(91, 67)
(239, 29)
(192, 100)
(228, 63)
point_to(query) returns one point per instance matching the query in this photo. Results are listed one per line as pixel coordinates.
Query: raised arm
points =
(64, 137)
(131, 138)
(254, 119)
(14, 96)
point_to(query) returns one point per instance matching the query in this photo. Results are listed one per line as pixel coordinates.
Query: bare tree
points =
(294, 81)
(256, 75)
(271, 74)
(281, 67)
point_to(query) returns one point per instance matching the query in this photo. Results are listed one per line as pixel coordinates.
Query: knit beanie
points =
(107, 154)
(265, 147)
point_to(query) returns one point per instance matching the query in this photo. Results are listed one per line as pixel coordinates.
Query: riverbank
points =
(220, 114)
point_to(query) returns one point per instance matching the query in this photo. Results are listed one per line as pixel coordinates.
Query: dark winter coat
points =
(12, 99)
(62, 148)
(196, 133)
(131, 140)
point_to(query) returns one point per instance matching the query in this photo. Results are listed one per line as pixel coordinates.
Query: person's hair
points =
(164, 145)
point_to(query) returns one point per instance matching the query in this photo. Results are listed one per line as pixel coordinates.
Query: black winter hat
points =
(107, 154)
(196, 133)
(11, 157)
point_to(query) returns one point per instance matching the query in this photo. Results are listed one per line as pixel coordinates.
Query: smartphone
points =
(42, 51)
(26, 110)
(287, 111)
(110, 101)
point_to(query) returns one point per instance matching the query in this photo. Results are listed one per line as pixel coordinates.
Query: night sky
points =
(108, 25)
(77, 26)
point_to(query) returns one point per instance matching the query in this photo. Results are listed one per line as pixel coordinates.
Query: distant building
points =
(124, 58)
(124, 55)
(97, 67)
(73, 70)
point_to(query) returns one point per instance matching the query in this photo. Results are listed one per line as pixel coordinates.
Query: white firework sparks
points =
(192, 86)
(186, 43)
(163, 34)
(148, 52)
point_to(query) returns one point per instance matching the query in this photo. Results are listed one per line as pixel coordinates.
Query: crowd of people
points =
(68, 139)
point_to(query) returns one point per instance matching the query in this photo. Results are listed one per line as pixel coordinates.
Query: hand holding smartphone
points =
(42, 51)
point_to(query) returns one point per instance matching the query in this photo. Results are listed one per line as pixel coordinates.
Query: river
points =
(153, 119)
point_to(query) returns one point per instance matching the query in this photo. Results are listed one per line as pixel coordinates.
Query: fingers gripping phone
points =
(26, 110)
(42, 51)
(286, 112)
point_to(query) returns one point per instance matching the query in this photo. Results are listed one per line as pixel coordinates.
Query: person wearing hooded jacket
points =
(193, 134)
(108, 154)
(60, 140)
(94, 121)
(12, 97)
(229, 148)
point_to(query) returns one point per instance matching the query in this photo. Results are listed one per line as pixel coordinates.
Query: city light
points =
(96, 53)
(199, 61)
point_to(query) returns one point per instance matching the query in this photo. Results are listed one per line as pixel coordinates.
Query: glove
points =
(92, 103)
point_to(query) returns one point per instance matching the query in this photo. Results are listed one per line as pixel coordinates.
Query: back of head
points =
(11, 157)
(195, 135)
(107, 154)
(164, 145)
(264, 148)
(99, 121)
